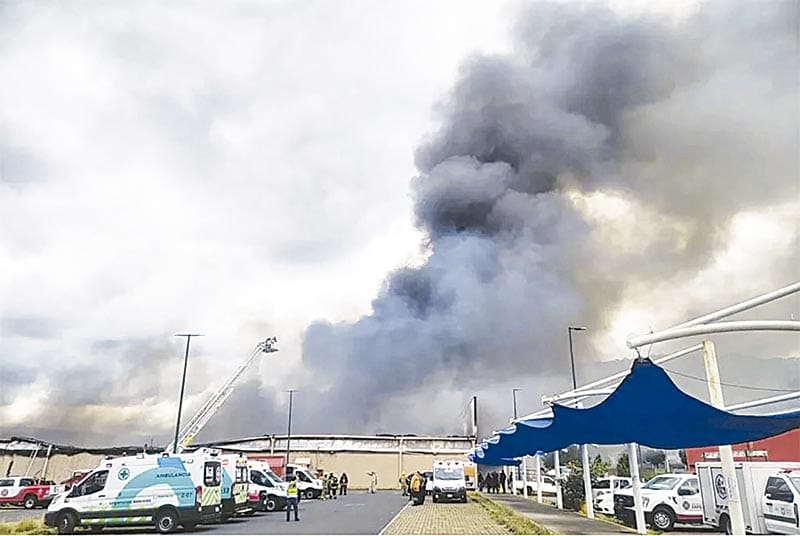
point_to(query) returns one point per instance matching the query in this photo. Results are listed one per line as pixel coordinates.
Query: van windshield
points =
(796, 481)
(258, 478)
(448, 473)
(272, 476)
(662, 483)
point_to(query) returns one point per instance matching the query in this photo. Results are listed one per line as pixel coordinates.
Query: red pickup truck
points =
(24, 491)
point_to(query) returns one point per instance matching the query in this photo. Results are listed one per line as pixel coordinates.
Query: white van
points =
(165, 491)
(263, 492)
(234, 485)
(449, 482)
(308, 486)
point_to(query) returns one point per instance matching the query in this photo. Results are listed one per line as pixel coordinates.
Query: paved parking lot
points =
(355, 513)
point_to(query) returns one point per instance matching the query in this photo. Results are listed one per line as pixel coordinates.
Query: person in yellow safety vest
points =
(292, 498)
(416, 486)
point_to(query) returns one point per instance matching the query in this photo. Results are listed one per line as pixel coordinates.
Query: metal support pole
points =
(46, 461)
(587, 481)
(559, 497)
(538, 479)
(725, 451)
(633, 462)
(175, 446)
(289, 430)
(525, 476)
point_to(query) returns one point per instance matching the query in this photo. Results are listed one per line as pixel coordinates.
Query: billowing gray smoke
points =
(692, 121)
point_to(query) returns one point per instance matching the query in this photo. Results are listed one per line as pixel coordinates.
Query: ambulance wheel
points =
(308, 494)
(663, 519)
(725, 524)
(271, 503)
(66, 523)
(29, 502)
(166, 520)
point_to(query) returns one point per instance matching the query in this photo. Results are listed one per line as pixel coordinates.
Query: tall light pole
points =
(524, 465)
(183, 386)
(289, 429)
(572, 353)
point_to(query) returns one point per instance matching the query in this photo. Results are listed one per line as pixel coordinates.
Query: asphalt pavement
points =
(358, 512)
(12, 514)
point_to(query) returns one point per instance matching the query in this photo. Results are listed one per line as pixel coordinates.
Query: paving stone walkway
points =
(444, 518)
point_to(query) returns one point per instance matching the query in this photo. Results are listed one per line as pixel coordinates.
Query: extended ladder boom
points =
(207, 410)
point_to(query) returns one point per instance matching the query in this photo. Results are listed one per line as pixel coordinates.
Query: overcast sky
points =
(245, 169)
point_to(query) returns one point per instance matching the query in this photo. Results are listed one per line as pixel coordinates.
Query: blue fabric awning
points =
(646, 408)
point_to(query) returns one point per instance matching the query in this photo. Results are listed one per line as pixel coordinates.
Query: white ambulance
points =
(162, 490)
(769, 493)
(449, 483)
(234, 485)
(666, 499)
(263, 492)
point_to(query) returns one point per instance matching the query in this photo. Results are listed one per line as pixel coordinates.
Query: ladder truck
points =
(207, 410)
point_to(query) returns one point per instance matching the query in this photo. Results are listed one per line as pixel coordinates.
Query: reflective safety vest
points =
(416, 483)
(291, 489)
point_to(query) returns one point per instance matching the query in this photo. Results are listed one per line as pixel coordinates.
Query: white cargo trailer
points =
(769, 493)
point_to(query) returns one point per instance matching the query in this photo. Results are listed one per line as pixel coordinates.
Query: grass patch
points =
(508, 518)
(26, 526)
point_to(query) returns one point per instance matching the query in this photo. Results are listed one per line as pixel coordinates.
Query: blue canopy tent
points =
(646, 408)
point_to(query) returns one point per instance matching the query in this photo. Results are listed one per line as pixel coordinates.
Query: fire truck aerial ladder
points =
(207, 410)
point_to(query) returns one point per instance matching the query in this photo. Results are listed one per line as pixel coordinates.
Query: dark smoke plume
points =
(689, 121)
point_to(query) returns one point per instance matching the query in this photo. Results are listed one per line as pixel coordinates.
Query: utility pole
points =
(475, 418)
(183, 386)
(289, 429)
(524, 462)
(570, 329)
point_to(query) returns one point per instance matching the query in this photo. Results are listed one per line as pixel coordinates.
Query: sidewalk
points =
(559, 521)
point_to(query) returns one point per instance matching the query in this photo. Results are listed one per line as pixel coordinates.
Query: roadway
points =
(358, 512)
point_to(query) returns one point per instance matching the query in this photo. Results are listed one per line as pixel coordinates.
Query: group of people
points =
(333, 486)
(494, 482)
(413, 485)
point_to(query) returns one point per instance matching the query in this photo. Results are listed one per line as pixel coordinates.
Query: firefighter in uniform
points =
(334, 486)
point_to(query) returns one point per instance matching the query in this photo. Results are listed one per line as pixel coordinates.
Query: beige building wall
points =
(388, 466)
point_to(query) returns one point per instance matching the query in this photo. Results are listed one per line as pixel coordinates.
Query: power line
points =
(734, 385)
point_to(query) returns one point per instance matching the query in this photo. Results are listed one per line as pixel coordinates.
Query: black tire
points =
(30, 502)
(435, 499)
(189, 526)
(725, 524)
(307, 494)
(65, 523)
(166, 520)
(271, 503)
(663, 519)
(464, 499)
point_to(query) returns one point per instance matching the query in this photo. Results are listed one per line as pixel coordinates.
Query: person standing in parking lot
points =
(343, 484)
(373, 481)
(502, 481)
(292, 498)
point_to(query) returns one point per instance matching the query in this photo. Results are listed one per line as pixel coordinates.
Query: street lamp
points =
(514, 396)
(289, 429)
(183, 386)
(572, 354)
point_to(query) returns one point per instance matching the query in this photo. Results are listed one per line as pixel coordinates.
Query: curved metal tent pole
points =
(716, 327)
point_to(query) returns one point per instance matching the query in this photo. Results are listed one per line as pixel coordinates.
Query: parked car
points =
(603, 492)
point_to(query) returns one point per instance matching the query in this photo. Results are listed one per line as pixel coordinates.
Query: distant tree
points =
(573, 490)
(682, 455)
(655, 457)
(623, 465)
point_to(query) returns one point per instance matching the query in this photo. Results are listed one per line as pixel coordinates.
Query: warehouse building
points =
(387, 455)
